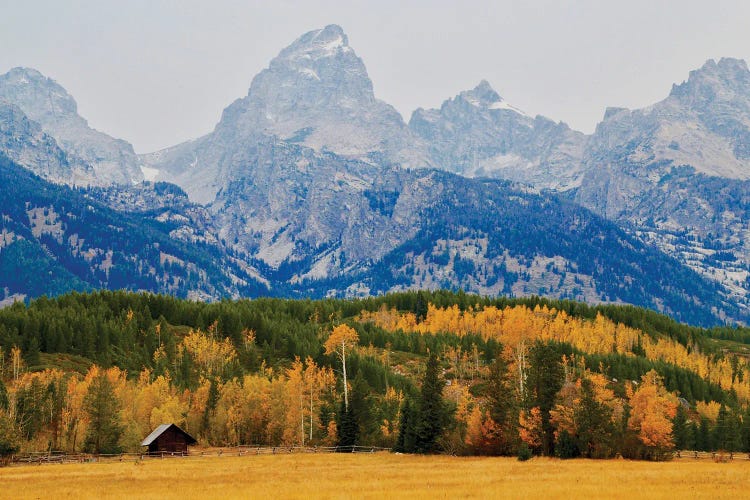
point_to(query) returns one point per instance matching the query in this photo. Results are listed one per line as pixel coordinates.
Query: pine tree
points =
(8, 438)
(682, 431)
(745, 430)
(405, 440)
(347, 429)
(355, 417)
(502, 406)
(102, 408)
(566, 445)
(595, 427)
(211, 402)
(703, 440)
(727, 431)
(432, 413)
(545, 379)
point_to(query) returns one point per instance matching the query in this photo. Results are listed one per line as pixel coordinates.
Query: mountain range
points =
(311, 186)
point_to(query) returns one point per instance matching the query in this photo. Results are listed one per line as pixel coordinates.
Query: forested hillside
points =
(425, 372)
(55, 239)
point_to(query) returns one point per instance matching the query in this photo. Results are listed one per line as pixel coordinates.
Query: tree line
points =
(416, 372)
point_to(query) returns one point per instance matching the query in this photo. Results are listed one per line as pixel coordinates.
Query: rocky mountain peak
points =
(316, 92)
(484, 97)
(714, 81)
(317, 44)
(41, 98)
(47, 103)
(318, 69)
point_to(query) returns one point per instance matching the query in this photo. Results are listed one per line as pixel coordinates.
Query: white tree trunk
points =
(343, 364)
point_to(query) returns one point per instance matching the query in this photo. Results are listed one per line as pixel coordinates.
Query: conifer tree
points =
(545, 379)
(596, 430)
(102, 408)
(727, 431)
(354, 418)
(211, 402)
(406, 437)
(745, 431)
(502, 406)
(703, 441)
(347, 429)
(432, 414)
(682, 431)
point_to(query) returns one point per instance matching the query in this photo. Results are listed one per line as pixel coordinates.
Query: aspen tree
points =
(341, 337)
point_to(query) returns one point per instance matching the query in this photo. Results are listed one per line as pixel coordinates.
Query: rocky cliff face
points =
(24, 141)
(315, 93)
(676, 173)
(45, 102)
(478, 133)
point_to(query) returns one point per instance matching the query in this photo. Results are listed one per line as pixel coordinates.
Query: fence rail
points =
(59, 457)
(718, 456)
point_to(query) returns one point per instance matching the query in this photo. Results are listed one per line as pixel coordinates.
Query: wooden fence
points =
(59, 457)
(717, 456)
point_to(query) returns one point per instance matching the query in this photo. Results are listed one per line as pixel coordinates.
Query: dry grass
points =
(378, 476)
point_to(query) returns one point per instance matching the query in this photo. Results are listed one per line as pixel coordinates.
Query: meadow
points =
(378, 475)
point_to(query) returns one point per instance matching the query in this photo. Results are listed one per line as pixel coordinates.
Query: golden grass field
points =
(378, 475)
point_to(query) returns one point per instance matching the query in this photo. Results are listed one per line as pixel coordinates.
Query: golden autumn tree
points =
(530, 428)
(316, 379)
(651, 414)
(210, 355)
(341, 337)
(295, 416)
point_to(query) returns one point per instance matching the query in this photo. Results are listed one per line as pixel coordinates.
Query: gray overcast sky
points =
(157, 73)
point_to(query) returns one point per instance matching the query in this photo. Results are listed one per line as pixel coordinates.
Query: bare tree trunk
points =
(521, 362)
(343, 364)
(302, 420)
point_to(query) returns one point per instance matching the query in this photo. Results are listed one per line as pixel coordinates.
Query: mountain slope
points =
(44, 101)
(316, 93)
(77, 243)
(306, 190)
(25, 142)
(477, 133)
(677, 173)
(489, 238)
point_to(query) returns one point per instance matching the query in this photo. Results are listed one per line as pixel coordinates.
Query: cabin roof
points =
(161, 430)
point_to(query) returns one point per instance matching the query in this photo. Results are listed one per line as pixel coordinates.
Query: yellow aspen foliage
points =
(652, 411)
(530, 427)
(482, 433)
(16, 361)
(518, 326)
(73, 417)
(209, 354)
(389, 427)
(294, 430)
(474, 426)
(459, 394)
(562, 415)
(331, 436)
(342, 335)
(708, 410)
(342, 338)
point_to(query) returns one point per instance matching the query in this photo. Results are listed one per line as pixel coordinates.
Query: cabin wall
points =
(170, 441)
